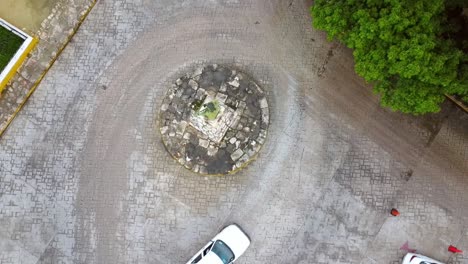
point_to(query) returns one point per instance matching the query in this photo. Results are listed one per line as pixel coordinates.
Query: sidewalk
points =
(55, 33)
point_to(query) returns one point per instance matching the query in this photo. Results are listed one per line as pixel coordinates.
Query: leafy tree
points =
(404, 47)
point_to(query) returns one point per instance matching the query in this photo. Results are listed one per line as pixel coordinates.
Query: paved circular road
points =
(86, 178)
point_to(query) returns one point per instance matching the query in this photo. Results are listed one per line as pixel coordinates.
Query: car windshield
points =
(223, 251)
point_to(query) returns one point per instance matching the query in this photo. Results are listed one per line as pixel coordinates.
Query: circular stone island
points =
(214, 120)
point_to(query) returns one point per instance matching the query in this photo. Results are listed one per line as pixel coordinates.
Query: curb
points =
(458, 103)
(51, 63)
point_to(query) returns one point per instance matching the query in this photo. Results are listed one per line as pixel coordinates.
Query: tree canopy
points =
(408, 49)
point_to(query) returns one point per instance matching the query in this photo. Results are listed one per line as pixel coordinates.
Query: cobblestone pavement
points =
(85, 177)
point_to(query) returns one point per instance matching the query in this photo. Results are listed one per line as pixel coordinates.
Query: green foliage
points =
(457, 3)
(401, 47)
(209, 110)
(9, 45)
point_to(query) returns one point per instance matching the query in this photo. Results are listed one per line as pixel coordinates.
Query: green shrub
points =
(405, 48)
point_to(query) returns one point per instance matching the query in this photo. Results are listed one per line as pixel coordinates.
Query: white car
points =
(412, 258)
(224, 248)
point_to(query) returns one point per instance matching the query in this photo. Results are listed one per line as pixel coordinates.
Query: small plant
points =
(209, 110)
(196, 105)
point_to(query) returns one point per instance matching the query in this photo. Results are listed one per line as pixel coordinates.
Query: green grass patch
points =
(9, 45)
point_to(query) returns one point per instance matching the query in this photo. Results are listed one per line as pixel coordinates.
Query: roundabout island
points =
(214, 120)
